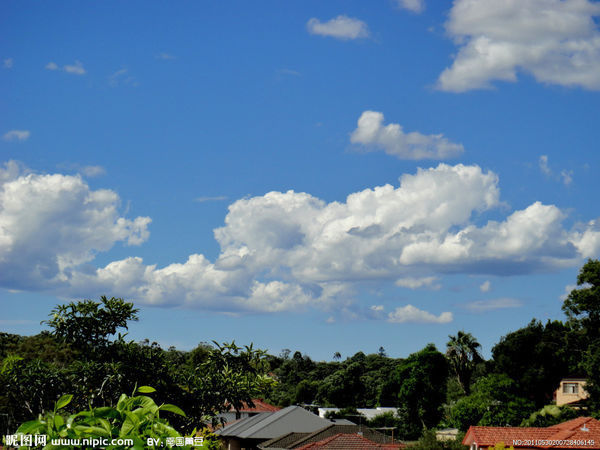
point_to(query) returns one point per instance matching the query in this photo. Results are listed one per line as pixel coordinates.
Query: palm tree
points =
(337, 356)
(463, 355)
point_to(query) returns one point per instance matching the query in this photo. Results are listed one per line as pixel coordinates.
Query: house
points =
(571, 390)
(246, 434)
(247, 411)
(298, 440)
(342, 441)
(582, 432)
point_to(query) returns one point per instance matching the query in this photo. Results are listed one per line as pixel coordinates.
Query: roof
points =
(342, 441)
(259, 406)
(287, 441)
(270, 425)
(562, 435)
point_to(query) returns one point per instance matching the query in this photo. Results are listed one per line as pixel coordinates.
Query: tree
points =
(87, 324)
(422, 379)
(583, 305)
(463, 355)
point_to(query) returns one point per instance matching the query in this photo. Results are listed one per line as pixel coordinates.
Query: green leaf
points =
(59, 422)
(29, 427)
(146, 390)
(64, 401)
(172, 408)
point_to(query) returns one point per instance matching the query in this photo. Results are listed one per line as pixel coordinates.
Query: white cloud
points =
(284, 251)
(52, 224)
(217, 198)
(394, 141)
(163, 55)
(8, 63)
(411, 314)
(377, 308)
(566, 176)
(16, 135)
(485, 286)
(123, 78)
(415, 283)
(481, 306)
(556, 41)
(416, 6)
(76, 68)
(340, 27)
(93, 171)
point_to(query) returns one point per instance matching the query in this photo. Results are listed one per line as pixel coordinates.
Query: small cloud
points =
(8, 63)
(481, 306)
(341, 27)
(415, 283)
(16, 135)
(330, 319)
(217, 198)
(485, 286)
(572, 287)
(566, 176)
(166, 56)
(411, 314)
(75, 69)
(93, 171)
(372, 133)
(291, 72)
(377, 308)
(416, 6)
(122, 78)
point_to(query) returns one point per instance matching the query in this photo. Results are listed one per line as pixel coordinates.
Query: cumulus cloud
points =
(16, 135)
(481, 306)
(409, 313)
(76, 68)
(416, 6)
(285, 251)
(340, 27)
(555, 41)
(371, 133)
(52, 224)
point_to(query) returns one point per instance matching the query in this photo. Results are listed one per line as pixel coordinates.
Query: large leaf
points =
(146, 390)
(172, 408)
(64, 401)
(30, 427)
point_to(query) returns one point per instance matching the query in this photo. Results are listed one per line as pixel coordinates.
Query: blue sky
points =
(319, 176)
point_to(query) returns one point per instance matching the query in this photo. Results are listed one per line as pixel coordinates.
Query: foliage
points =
(463, 356)
(428, 441)
(422, 380)
(88, 325)
(495, 401)
(133, 417)
(551, 415)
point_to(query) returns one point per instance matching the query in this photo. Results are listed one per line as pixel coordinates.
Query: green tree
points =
(583, 305)
(463, 356)
(422, 390)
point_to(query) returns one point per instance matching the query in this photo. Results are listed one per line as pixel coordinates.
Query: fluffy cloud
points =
(409, 313)
(285, 250)
(371, 133)
(51, 224)
(16, 135)
(416, 6)
(75, 68)
(556, 41)
(340, 27)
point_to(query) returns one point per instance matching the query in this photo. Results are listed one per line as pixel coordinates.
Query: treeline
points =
(83, 354)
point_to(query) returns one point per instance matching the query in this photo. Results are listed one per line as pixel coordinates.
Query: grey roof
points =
(271, 425)
(282, 442)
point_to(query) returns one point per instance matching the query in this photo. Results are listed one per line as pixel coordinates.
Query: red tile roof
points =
(259, 406)
(342, 441)
(583, 432)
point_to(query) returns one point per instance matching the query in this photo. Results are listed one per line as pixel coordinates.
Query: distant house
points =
(583, 432)
(246, 434)
(571, 390)
(347, 442)
(247, 411)
(368, 413)
(299, 440)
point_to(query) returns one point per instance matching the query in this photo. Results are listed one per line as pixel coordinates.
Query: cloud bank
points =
(285, 251)
(555, 41)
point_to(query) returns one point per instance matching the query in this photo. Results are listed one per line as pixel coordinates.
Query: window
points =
(570, 388)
